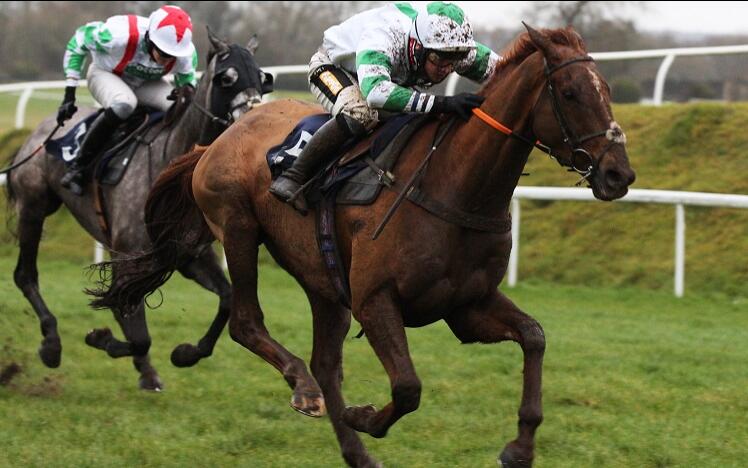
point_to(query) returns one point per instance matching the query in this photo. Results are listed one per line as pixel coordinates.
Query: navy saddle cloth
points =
(282, 157)
(114, 157)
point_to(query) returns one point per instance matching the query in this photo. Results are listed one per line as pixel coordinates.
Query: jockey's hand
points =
(181, 95)
(461, 104)
(67, 108)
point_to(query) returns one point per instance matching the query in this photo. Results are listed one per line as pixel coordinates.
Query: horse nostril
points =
(616, 179)
(613, 179)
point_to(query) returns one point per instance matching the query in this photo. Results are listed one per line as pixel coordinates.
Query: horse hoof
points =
(185, 355)
(509, 458)
(151, 383)
(312, 405)
(50, 352)
(359, 419)
(98, 338)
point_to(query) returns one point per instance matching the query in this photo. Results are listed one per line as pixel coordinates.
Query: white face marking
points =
(597, 84)
(615, 134)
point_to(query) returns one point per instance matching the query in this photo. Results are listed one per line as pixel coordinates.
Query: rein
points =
(213, 118)
(27, 158)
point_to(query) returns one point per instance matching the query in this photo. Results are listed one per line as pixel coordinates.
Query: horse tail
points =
(11, 144)
(177, 231)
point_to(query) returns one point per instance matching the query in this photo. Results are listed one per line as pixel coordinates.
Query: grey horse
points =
(230, 86)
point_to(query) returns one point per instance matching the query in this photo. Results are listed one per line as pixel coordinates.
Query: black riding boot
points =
(316, 154)
(100, 131)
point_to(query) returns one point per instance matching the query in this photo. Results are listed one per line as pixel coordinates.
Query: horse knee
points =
(406, 395)
(533, 338)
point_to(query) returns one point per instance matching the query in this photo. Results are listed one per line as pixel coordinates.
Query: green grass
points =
(632, 378)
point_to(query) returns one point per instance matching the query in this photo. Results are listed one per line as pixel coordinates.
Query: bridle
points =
(588, 166)
(585, 169)
(234, 105)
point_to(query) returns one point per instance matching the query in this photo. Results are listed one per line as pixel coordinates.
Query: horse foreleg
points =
(331, 324)
(498, 319)
(246, 323)
(26, 277)
(383, 325)
(206, 271)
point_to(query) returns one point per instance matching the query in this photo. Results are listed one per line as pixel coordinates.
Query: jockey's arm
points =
(89, 37)
(184, 71)
(479, 64)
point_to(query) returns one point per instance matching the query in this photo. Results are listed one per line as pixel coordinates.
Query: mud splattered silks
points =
(377, 46)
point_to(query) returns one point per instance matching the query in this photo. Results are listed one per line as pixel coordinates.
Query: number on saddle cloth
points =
(282, 157)
(114, 159)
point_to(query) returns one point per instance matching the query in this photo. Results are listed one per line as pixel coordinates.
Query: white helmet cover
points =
(170, 29)
(444, 27)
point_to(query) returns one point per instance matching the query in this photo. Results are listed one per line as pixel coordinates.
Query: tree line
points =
(33, 36)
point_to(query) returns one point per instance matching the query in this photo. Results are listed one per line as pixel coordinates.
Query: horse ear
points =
(542, 42)
(217, 46)
(267, 82)
(253, 44)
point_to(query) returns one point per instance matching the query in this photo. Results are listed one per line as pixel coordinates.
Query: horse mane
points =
(522, 47)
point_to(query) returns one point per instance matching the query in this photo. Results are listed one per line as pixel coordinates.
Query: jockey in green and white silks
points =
(129, 57)
(376, 63)
(386, 48)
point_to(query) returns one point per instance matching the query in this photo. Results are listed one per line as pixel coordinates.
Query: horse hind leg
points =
(331, 324)
(205, 271)
(382, 323)
(498, 319)
(246, 323)
(132, 321)
(26, 277)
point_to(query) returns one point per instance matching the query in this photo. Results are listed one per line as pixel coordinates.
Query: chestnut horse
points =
(423, 268)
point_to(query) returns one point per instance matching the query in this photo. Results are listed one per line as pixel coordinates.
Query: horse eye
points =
(229, 77)
(569, 94)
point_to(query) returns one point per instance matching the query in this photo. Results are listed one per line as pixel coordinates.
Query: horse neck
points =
(484, 166)
(191, 126)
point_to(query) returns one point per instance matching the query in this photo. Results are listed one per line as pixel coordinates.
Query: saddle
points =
(362, 167)
(115, 156)
(356, 178)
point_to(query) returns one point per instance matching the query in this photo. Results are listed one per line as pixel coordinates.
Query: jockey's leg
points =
(119, 101)
(340, 95)
(98, 134)
(317, 153)
(154, 94)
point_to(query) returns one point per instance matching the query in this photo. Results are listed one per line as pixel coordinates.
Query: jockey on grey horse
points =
(130, 55)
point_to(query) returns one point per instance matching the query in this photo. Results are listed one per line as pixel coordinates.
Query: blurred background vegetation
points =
(33, 39)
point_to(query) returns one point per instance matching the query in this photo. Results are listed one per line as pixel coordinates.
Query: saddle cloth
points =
(354, 180)
(116, 155)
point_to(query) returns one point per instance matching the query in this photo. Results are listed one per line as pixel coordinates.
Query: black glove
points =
(461, 104)
(182, 95)
(67, 108)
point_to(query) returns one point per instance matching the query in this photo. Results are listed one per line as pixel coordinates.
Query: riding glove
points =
(461, 104)
(67, 109)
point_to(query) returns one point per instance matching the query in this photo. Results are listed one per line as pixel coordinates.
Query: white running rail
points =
(679, 199)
